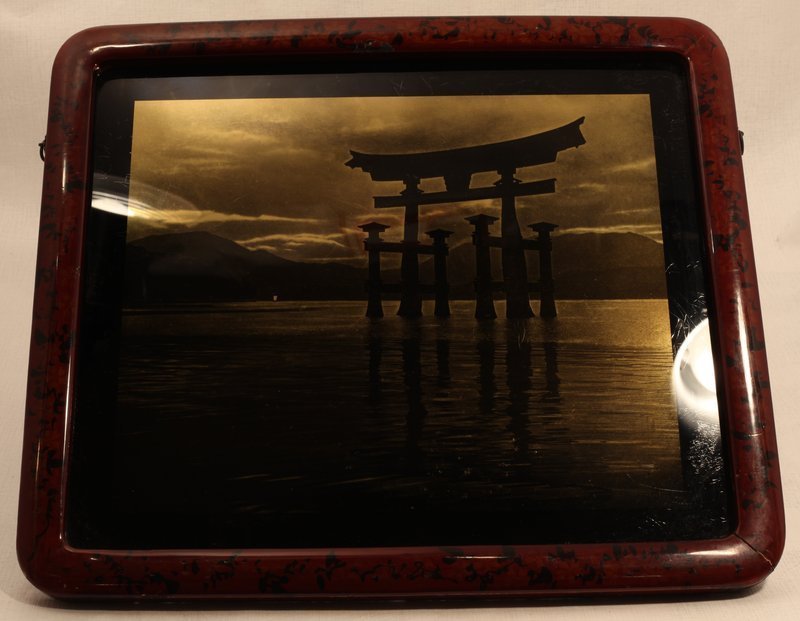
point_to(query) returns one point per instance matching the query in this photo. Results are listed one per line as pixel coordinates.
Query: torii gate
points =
(456, 167)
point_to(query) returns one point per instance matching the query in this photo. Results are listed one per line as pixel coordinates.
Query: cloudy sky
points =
(270, 173)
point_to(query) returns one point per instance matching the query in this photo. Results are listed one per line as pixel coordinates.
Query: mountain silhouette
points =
(201, 266)
(202, 251)
(606, 265)
(585, 265)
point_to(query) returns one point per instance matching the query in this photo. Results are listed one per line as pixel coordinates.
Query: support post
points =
(441, 286)
(410, 293)
(547, 307)
(484, 304)
(515, 270)
(373, 285)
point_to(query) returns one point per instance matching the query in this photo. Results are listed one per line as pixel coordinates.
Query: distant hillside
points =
(585, 265)
(200, 266)
(607, 265)
(202, 252)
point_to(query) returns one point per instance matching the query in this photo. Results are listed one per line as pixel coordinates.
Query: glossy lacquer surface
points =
(736, 561)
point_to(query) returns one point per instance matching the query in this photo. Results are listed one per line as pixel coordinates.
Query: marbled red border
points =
(737, 561)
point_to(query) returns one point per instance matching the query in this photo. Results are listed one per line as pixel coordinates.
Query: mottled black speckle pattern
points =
(738, 561)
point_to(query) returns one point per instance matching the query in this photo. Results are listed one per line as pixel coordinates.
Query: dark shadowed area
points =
(251, 403)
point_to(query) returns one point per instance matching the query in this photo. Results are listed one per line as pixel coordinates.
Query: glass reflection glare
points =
(693, 378)
(159, 207)
(112, 203)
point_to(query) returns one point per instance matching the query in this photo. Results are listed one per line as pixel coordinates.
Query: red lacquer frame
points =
(737, 561)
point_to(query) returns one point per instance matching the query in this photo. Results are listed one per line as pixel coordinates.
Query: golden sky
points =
(270, 173)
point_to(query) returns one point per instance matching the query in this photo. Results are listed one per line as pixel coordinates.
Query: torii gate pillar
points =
(410, 293)
(441, 286)
(372, 246)
(484, 302)
(547, 308)
(515, 270)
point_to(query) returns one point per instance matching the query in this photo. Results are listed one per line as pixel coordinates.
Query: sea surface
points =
(308, 423)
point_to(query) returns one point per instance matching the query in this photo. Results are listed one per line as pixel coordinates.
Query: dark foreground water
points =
(306, 424)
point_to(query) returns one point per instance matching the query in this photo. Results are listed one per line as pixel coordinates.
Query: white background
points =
(764, 48)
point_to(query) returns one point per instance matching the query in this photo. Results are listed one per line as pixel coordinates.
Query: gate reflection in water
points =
(318, 409)
(518, 372)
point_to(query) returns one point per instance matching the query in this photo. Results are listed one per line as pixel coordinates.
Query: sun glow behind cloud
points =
(273, 169)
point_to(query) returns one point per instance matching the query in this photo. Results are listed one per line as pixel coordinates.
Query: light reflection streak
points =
(113, 203)
(745, 356)
(721, 552)
(693, 376)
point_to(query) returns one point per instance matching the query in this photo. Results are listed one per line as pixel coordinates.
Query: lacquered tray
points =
(386, 308)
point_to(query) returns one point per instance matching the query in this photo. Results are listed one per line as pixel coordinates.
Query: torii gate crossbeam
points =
(456, 167)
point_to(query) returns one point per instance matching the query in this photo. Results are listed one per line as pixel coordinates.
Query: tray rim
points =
(740, 560)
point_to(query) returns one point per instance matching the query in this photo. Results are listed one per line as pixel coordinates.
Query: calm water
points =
(276, 414)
